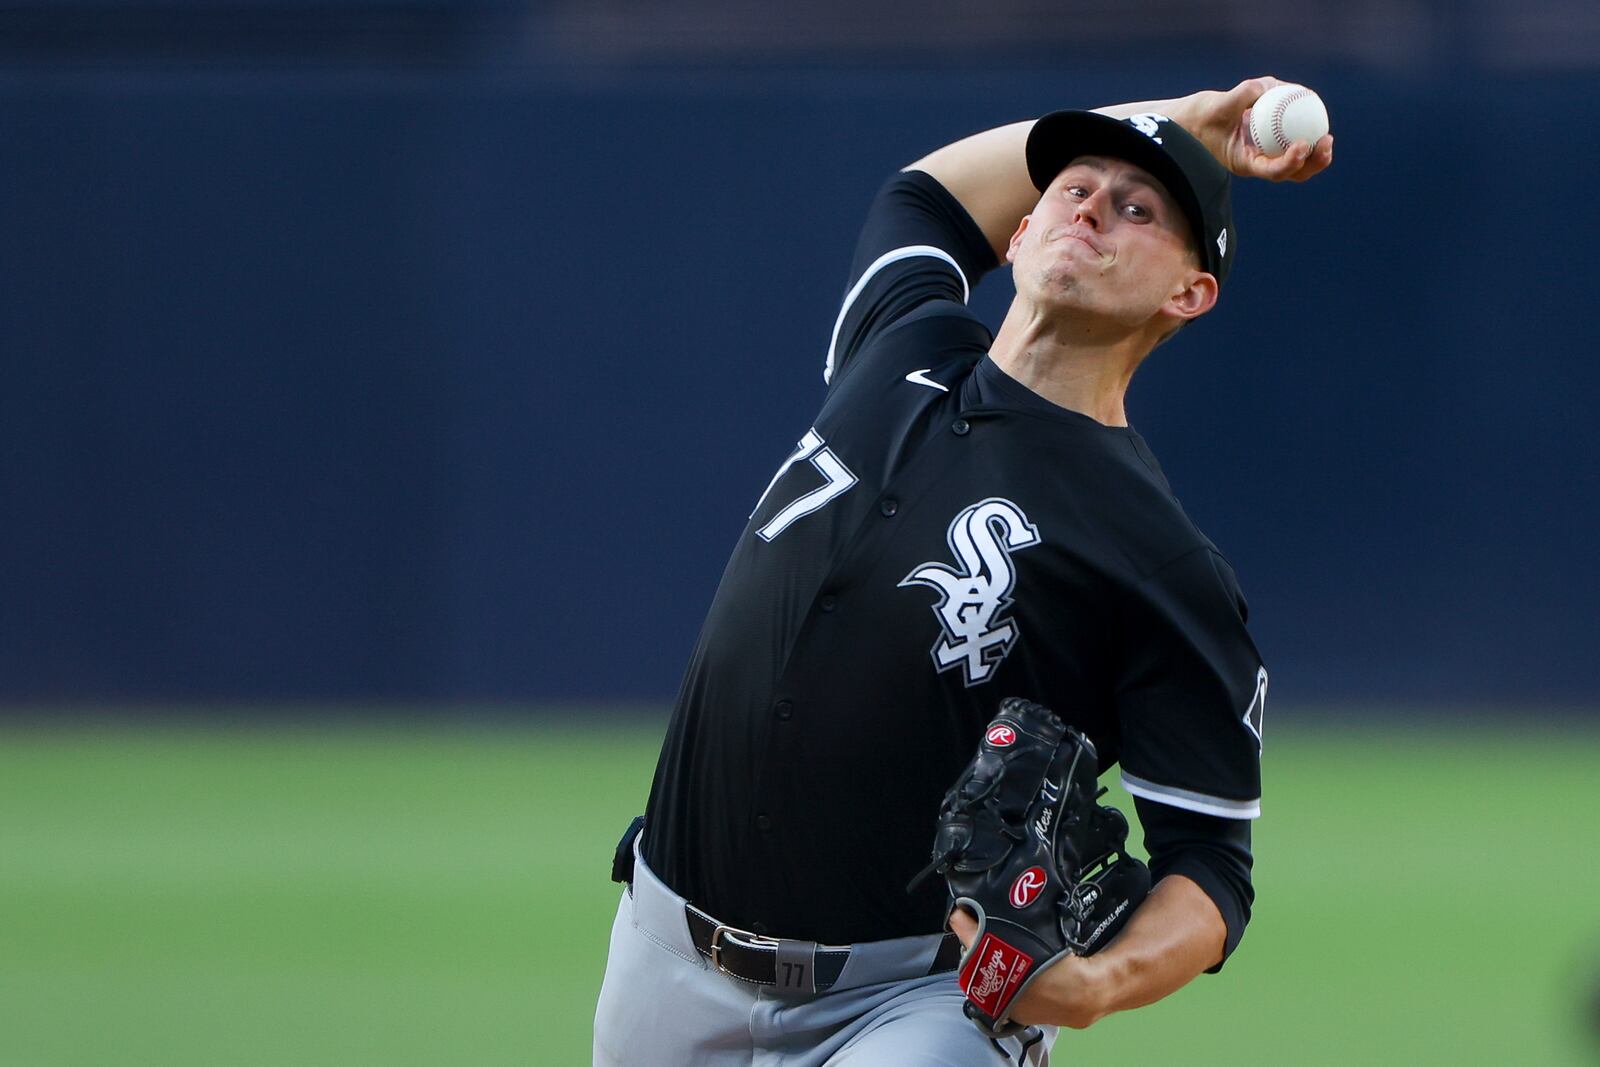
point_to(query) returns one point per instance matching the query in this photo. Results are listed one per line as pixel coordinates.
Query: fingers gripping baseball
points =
(1242, 153)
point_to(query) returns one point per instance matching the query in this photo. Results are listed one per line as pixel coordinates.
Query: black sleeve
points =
(1213, 852)
(918, 244)
(1191, 691)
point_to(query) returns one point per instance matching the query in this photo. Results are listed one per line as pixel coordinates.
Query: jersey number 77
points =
(838, 481)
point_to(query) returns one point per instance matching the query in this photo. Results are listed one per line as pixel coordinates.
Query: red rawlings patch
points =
(1029, 884)
(993, 973)
(1001, 736)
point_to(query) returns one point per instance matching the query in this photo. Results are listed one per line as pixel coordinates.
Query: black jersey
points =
(942, 537)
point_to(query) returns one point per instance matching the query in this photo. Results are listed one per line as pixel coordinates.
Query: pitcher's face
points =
(1105, 240)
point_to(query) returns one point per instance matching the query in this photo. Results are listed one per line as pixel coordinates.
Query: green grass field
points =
(182, 896)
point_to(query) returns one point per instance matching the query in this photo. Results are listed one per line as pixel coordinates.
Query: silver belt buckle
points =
(722, 930)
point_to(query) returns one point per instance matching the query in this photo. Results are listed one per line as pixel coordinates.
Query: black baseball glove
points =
(1027, 848)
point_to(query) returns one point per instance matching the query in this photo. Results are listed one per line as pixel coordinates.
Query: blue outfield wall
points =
(458, 385)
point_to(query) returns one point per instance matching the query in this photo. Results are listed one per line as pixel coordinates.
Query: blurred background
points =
(387, 381)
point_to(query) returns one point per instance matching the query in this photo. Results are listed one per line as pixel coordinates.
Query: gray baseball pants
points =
(663, 1004)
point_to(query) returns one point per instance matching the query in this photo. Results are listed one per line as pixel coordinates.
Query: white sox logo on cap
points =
(1029, 884)
(1149, 124)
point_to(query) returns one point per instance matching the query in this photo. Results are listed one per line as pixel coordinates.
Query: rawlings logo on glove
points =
(1025, 846)
(1025, 890)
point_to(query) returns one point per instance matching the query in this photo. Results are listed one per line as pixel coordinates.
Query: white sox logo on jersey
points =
(971, 601)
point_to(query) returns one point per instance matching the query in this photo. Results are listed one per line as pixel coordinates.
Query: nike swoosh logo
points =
(920, 377)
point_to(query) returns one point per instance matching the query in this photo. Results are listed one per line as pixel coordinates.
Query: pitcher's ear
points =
(1016, 239)
(1198, 296)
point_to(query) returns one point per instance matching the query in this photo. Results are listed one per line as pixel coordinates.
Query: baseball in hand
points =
(1286, 114)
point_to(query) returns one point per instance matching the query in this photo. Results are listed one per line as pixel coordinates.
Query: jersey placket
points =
(853, 567)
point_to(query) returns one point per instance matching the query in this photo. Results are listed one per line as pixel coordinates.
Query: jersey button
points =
(763, 823)
(784, 710)
(889, 507)
(828, 602)
(960, 427)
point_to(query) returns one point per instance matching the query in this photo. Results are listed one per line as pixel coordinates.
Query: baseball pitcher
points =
(967, 592)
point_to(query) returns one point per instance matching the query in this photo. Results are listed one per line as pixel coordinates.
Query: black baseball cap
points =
(1172, 155)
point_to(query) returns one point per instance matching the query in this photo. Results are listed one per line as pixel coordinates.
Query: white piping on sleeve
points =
(1189, 800)
(892, 256)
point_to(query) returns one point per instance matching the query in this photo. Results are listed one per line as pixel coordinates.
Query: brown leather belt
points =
(792, 966)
